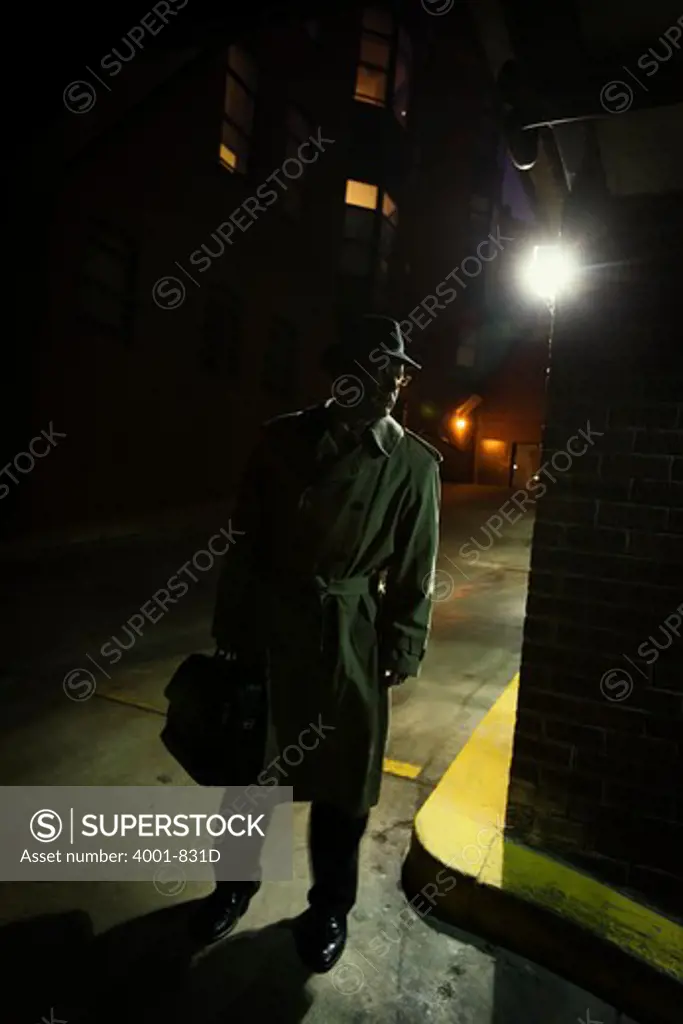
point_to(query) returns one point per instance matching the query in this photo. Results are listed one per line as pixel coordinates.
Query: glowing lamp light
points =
(550, 271)
(458, 426)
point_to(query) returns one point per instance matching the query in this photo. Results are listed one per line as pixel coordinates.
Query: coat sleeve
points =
(236, 616)
(406, 613)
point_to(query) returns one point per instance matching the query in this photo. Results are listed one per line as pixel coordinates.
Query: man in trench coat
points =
(334, 498)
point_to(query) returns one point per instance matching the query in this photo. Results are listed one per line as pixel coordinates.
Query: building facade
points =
(598, 742)
(206, 240)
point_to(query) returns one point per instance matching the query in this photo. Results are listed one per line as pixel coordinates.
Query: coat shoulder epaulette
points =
(434, 452)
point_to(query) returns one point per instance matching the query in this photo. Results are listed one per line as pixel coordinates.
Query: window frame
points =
(373, 247)
(399, 45)
(228, 121)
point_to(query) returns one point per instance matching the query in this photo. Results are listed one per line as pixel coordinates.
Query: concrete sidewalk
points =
(119, 952)
(169, 524)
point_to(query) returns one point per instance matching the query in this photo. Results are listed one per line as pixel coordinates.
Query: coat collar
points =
(386, 432)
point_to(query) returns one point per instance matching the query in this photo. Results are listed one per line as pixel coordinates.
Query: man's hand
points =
(390, 678)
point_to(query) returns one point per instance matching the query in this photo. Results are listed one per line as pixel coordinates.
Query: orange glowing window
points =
(360, 193)
(493, 446)
(376, 43)
(371, 86)
(388, 207)
(228, 158)
(238, 110)
(375, 52)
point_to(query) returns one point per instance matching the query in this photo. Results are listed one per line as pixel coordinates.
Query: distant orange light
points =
(458, 426)
(458, 423)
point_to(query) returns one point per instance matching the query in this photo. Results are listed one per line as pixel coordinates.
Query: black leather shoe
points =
(320, 939)
(218, 914)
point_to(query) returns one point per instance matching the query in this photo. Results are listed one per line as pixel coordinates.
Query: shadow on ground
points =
(55, 971)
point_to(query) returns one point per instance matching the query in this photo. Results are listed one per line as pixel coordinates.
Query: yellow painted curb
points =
(461, 826)
(401, 768)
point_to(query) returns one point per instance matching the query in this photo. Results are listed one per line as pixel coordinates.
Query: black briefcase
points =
(216, 721)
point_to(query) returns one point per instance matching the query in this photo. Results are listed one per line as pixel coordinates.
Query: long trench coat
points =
(300, 588)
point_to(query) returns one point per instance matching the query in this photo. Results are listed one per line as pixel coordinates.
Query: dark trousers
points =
(333, 845)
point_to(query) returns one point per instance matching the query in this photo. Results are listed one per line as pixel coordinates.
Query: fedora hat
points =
(365, 335)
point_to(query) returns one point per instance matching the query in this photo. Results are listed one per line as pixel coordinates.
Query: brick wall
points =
(598, 746)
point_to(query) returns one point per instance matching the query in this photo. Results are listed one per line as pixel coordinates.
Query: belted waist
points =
(342, 588)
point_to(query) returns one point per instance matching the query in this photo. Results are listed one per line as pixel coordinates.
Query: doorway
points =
(526, 460)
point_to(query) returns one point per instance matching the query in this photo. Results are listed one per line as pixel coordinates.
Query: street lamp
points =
(550, 271)
(459, 429)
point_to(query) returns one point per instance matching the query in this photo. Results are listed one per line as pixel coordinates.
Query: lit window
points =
(379, 43)
(360, 193)
(389, 208)
(375, 52)
(375, 58)
(371, 86)
(387, 231)
(228, 157)
(238, 111)
(368, 238)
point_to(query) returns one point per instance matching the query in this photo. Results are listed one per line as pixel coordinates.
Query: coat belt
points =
(340, 588)
(330, 626)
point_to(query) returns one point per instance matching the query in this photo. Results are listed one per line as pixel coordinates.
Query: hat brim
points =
(398, 358)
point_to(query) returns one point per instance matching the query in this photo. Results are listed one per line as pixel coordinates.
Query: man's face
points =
(382, 395)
